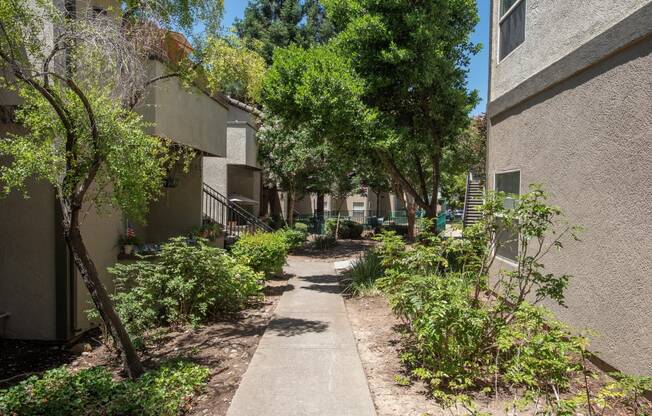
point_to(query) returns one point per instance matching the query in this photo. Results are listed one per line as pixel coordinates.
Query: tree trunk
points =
(99, 295)
(290, 213)
(411, 210)
(264, 202)
(274, 202)
(319, 209)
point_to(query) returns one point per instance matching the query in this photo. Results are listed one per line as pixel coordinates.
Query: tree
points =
(78, 84)
(271, 24)
(400, 67)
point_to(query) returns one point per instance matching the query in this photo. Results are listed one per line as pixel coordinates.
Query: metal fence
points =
(369, 220)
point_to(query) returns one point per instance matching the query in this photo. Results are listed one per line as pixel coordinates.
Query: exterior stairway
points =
(473, 199)
(234, 219)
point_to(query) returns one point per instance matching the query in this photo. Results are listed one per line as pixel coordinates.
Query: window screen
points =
(358, 209)
(512, 27)
(509, 183)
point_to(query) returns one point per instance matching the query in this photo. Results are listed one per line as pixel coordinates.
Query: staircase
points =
(234, 219)
(473, 199)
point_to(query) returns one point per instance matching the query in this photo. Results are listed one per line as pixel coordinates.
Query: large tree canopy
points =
(392, 82)
(270, 24)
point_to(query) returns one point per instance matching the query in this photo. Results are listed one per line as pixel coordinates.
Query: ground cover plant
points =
(166, 391)
(263, 252)
(469, 332)
(324, 242)
(188, 283)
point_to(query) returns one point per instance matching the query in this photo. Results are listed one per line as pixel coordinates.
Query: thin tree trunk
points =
(319, 209)
(290, 213)
(96, 289)
(411, 210)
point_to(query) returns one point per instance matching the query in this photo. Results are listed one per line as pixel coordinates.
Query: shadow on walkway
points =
(290, 327)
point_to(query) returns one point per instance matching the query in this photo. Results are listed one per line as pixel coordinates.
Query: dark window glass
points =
(512, 30)
(505, 6)
(509, 183)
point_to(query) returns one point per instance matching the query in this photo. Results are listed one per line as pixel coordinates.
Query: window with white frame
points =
(512, 26)
(509, 183)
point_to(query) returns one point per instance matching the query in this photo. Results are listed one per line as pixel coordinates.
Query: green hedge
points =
(348, 229)
(263, 252)
(61, 392)
(189, 283)
(294, 237)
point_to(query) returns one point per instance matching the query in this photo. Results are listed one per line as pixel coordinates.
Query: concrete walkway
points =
(307, 362)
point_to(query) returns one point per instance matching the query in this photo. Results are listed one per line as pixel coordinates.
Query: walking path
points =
(307, 362)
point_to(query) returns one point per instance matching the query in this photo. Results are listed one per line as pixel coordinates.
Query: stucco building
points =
(238, 175)
(41, 295)
(570, 107)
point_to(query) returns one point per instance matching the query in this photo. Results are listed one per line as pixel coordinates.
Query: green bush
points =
(263, 252)
(300, 226)
(187, 284)
(348, 229)
(361, 278)
(61, 392)
(401, 230)
(324, 242)
(294, 238)
(463, 336)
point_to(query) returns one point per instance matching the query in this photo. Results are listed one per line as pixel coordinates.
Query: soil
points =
(226, 347)
(378, 335)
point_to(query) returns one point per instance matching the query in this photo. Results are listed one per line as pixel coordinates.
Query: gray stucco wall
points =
(100, 231)
(27, 267)
(553, 29)
(589, 141)
(188, 117)
(179, 209)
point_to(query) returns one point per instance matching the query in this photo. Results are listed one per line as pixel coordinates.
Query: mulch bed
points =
(226, 347)
(377, 332)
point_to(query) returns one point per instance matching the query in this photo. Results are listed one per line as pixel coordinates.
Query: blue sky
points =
(479, 63)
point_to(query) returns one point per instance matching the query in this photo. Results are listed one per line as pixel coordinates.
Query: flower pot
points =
(128, 249)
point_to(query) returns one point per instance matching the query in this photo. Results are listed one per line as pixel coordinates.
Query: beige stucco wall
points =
(589, 141)
(188, 117)
(553, 29)
(178, 210)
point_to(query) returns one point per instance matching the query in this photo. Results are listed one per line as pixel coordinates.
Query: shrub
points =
(401, 230)
(299, 226)
(187, 284)
(462, 335)
(324, 242)
(61, 392)
(348, 229)
(362, 276)
(294, 238)
(263, 252)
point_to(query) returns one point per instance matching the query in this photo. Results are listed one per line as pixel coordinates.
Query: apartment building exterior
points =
(570, 107)
(41, 295)
(238, 176)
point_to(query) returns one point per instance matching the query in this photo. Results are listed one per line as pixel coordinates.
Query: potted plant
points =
(211, 231)
(129, 241)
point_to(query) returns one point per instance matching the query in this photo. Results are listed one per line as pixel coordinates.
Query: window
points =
(512, 26)
(358, 209)
(510, 183)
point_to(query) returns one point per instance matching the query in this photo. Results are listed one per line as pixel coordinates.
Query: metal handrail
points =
(466, 198)
(235, 220)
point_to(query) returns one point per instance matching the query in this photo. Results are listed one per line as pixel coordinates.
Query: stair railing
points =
(466, 199)
(233, 218)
